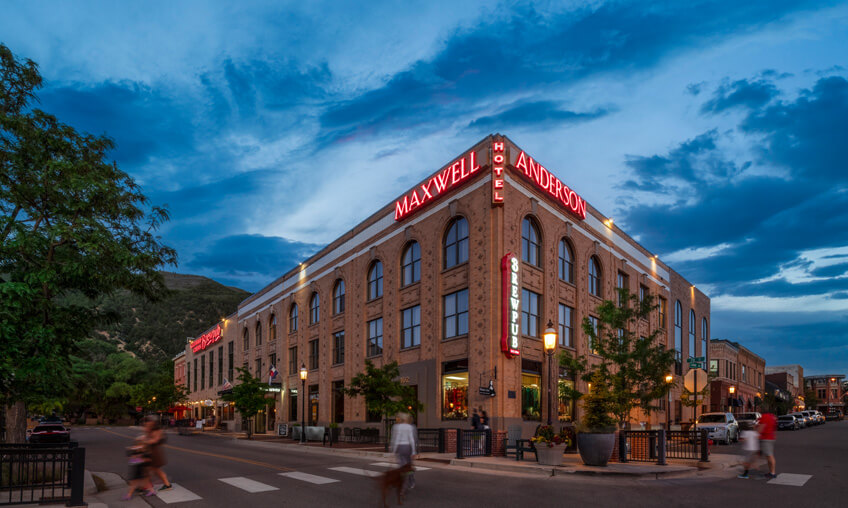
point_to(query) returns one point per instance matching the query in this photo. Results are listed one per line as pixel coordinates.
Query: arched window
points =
(375, 280)
(678, 336)
(456, 242)
(246, 339)
(705, 339)
(338, 297)
(410, 268)
(272, 328)
(594, 277)
(314, 309)
(293, 318)
(530, 242)
(259, 333)
(566, 261)
(692, 325)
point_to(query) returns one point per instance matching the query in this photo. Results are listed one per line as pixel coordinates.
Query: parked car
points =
(50, 419)
(787, 422)
(834, 415)
(720, 426)
(50, 433)
(820, 416)
(803, 420)
(752, 418)
(811, 417)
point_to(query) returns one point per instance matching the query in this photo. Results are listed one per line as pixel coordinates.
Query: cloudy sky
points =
(716, 133)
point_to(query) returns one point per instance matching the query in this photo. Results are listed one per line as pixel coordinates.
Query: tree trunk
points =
(16, 422)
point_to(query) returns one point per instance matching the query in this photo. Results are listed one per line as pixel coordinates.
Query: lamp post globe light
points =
(668, 379)
(550, 339)
(303, 374)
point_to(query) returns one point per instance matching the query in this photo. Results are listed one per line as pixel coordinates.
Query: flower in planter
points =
(546, 435)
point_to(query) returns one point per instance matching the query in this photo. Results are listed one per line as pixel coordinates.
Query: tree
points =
(632, 368)
(71, 225)
(811, 400)
(383, 392)
(249, 397)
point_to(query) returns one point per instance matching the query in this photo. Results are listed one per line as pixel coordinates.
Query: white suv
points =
(719, 426)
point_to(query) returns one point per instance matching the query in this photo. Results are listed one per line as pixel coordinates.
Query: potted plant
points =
(550, 445)
(596, 432)
(334, 432)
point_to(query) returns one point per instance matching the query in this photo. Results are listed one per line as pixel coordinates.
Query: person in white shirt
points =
(751, 444)
(404, 439)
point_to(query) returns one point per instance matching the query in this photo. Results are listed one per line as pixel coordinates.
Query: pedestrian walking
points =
(139, 459)
(768, 432)
(475, 419)
(404, 439)
(155, 440)
(751, 444)
(484, 419)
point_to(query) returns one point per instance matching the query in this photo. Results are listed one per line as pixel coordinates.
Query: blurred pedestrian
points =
(155, 440)
(751, 444)
(404, 439)
(139, 460)
(475, 419)
(484, 419)
(768, 432)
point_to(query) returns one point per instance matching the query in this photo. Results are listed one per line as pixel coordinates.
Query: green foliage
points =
(776, 405)
(248, 396)
(71, 223)
(632, 368)
(811, 401)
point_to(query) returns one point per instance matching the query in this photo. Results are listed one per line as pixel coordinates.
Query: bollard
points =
(459, 451)
(705, 456)
(661, 445)
(77, 477)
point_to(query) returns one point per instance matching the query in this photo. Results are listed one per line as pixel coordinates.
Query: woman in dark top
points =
(484, 419)
(155, 440)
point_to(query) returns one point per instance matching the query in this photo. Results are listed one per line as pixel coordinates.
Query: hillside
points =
(158, 331)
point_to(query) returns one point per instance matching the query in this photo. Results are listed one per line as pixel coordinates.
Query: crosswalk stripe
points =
(177, 494)
(247, 484)
(389, 464)
(356, 470)
(794, 480)
(311, 478)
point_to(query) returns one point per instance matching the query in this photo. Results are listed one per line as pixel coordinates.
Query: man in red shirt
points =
(768, 431)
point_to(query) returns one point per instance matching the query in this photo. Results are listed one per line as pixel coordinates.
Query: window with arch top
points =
(314, 309)
(456, 242)
(531, 251)
(705, 340)
(692, 325)
(594, 276)
(375, 280)
(339, 297)
(246, 339)
(678, 337)
(259, 333)
(272, 327)
(293, 318)
(410, 268)
(566, 261)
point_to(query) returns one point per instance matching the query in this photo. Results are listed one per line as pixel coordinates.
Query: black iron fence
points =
(473, 443)
(42, 474)
(431, 440)
(659, 445)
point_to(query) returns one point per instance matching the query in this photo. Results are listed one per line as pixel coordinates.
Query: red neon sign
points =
(454, 175)
(544, 179)
(497, 172)
(206, 340)
(511, 306)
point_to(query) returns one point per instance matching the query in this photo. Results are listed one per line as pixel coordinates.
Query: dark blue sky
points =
(716, 133)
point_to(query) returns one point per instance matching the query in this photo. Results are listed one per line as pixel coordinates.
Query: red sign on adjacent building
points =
(511, 306)
(454, 175)
(206, 340)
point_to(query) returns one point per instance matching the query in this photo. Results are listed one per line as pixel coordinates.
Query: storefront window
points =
(531, 390)
(313, 404)
(565, 408)
(455, 390)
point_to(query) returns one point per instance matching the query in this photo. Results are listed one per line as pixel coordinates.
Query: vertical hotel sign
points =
(498, 160)
(511, 306)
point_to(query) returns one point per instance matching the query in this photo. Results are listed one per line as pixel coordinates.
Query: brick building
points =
(789, 378)
(456, 280)
(740, 377)
(829, 391)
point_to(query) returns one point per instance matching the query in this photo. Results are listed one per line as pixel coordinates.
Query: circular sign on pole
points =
(695, 378)
(208, 402)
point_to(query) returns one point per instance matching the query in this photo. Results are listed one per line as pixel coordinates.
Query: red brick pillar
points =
(498, 442)
(614, 456)
(450, 440)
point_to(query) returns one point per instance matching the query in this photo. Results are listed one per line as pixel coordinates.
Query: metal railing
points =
(659, 445)
(473, 443)
(46, 473)
(431, 440)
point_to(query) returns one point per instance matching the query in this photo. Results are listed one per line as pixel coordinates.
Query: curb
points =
(566, 470)
(318, 451)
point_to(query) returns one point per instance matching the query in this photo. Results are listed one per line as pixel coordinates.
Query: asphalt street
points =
(221, 472)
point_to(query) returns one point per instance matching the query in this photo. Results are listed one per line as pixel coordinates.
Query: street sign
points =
(696, 365)
(697, 359)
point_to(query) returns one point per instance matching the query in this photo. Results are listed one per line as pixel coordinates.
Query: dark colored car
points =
(51, 420)
(50, 433)
(787, 422)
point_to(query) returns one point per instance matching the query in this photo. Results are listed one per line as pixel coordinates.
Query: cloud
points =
(538, 114)
(741, 93)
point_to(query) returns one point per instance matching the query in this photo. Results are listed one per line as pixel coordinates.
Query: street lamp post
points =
(731, 390)
(550, 338)
(303, 373)
(668, 379)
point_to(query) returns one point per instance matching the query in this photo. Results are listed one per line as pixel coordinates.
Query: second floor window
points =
(293, 318)
(338, 347)
(411, 264)
(594, 277)
(622, 282)
(456, 314)
(259, 333)
(530, 311)
(339, 297)
(662, 311)
(314, 309)
(375, 337)
(456, 243)
(272, 327)
(566, 325)
(411, 327)
(566, 262)
(375, 280)
(692, 325)
(246, 339)
(530, 242)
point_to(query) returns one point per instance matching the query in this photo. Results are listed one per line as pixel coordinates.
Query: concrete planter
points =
(549, 455)
(595, 449)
